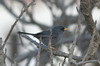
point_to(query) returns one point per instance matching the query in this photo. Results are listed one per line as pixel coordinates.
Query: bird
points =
(55, 32)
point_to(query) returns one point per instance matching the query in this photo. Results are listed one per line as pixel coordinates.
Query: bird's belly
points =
(54, 41)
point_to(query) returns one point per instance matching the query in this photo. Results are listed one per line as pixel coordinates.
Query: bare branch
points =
(86, 11)
(89, 61)
(95, 40)
(77, 34)
(64, 61)
(2, 55)
(39, 52)
(24, 9)
(50, 48)
(56, 53)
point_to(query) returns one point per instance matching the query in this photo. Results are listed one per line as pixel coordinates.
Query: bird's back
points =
(44, 34)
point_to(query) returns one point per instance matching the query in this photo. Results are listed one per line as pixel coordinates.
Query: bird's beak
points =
(65, 28)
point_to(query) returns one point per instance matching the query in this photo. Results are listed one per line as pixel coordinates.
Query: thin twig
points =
(56, 53)
(77, 33)
(39, 52)
(64, 61)
(89, 61)
(72, 50)
(12, 27)
(2, 55)
(50, 48)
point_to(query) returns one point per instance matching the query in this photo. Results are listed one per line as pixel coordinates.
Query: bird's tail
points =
(25, 33)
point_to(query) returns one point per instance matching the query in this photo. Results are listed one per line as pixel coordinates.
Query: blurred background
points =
(42, 15)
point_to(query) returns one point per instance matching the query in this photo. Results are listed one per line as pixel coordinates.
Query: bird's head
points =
(58, 30)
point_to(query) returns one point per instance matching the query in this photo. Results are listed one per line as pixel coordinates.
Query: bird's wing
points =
(42, 34)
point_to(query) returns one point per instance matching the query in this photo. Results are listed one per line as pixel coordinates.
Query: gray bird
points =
(55, 32)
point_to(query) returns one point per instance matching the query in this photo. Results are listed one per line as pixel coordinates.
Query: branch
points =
(89, 61)
(50, 49)
(39, 52)
(86, 11)
(56, 53)
(2, 55)
(63, 54)
(95, 40)
(22, 12)
(64, 61)
(22, 20)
